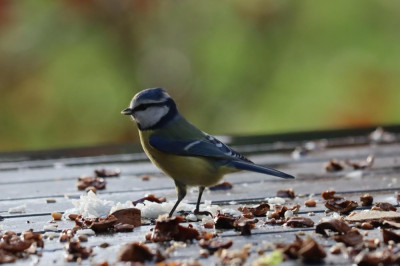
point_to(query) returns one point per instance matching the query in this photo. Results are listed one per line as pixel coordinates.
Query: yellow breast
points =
(192, 171)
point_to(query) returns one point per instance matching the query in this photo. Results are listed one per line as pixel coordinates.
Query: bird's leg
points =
(181, 193)
(197, 210)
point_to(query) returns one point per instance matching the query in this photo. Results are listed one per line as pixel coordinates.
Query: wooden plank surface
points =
(31, 182)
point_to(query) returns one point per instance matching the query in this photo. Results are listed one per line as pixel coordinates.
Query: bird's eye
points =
(140, 107)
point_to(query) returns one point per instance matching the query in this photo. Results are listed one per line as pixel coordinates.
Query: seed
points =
(367, 226)
(310, 203)
(56, 216)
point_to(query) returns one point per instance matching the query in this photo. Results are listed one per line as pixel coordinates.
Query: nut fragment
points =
(308, 250)
(150, 198)
(97, 224)
(336, 249)
(89, 181)
(128, 216)
(300, 222)
(214, 245)
(334, 166)
(383, 257)
(76, 251)
(336, 225)
(366, 200)
(374, 216)
(107, 173)
(83, 238)
(222, 186)
(391, 224)
(388, 235)
(384, 206)
(286, 193)
(224, 222)
(259, 210)
(135, 252)
(167, 229)
(73, 216)
(330, 194)
(351, 238)
(311, 251)
(367, 163)
(119, 227)
(341, 206)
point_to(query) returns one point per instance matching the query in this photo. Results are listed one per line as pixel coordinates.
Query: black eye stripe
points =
(142, 107)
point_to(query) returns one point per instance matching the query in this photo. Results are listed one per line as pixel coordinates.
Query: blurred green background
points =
(67, 68)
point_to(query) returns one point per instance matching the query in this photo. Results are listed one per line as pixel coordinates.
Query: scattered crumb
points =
(17, 209)
(354, 174)
(145, 177)
(380, 135)
(276, 200)
(104, 245)
(88, 232)
(234, 257)
(50, 227)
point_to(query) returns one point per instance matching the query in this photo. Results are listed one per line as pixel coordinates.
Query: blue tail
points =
(242, 165)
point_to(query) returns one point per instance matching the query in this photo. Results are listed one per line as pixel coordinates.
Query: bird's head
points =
(151, 108)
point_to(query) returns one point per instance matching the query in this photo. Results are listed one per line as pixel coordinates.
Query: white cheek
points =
(151, 116)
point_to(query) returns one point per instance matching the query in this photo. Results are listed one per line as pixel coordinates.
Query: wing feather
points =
(207, 147)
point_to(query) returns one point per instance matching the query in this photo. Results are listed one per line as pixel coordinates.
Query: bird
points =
(183, 152)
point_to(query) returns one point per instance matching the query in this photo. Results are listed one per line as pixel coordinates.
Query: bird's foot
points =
(197, 212)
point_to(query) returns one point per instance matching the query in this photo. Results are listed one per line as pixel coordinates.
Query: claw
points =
(197, 212)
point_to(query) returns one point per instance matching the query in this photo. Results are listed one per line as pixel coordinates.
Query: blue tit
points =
(181, 150)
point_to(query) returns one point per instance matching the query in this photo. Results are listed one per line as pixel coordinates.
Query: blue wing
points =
(211, 147)
(206, 147)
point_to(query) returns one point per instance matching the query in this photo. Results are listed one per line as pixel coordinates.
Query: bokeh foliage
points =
(67, 68)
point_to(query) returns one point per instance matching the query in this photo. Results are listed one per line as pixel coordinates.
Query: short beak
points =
(127, 111)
